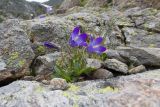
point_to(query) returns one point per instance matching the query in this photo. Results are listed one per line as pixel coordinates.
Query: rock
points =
(20, 9)
(115, 92)
(16, 53)
(2, 65)
(44, 65)
(66, 4)
(102, 74)
(141, 38)
(137, 69)
(116, 65)
(56, 29)
(146, 56)
(58, 84)
(45, 82)
(28, 78)
(96, 3)
(94, 63)
(125, 4)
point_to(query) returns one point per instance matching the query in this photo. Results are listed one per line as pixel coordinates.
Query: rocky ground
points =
(128, 78)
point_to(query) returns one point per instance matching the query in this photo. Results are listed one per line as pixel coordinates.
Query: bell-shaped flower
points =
(77, 39)
(95, 45)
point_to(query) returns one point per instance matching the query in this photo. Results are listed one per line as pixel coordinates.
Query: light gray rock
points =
(116, 65)
(16, 53)
(94, 63)
(102, 74)
(58, 84)
(45, 64)
(2, 65)
(140, 90)
(137, 69)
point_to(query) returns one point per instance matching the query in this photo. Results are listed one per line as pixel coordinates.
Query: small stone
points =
(102, 74)
(28, 78)
(94, 63)
(45, 82)
(137, 69)
(116, 65)
(58, 84)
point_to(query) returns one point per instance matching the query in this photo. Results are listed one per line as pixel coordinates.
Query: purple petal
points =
(83, 44)
(90, 49)
(100, 49)
(97, 41)
(72, 43)
(75, 32)
(83, 37)
(91, 38)
(49, 45)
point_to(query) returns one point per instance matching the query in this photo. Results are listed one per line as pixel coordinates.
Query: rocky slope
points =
(131, 34)
(20, 9)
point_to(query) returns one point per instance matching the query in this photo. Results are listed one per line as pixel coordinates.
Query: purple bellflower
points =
(77, 39)
(95, 45)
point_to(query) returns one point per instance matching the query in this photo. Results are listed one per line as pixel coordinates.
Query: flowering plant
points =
(81, 46)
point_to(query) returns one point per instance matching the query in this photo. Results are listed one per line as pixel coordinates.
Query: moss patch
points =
(73, 87)
(108, 89)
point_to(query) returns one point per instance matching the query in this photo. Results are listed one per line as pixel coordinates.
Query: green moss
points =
(152, 46)
(14, 55)
(39, 89)
(83, 2)
(12, 59)
(107, 89)
(73, 87)
(21, 63)
(40, 49)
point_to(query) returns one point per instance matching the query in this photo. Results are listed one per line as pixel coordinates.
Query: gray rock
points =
(149, 57)
(137, 69)
(2, 65)
(115, 92)
(44, 65)
(116, 65)
(15, 50)
(102, 74)
(58, 84)
(94, 63)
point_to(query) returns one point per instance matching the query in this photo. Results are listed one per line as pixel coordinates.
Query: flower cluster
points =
(93, 46)
(72, 64)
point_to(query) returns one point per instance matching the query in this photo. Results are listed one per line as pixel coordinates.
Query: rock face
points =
(140, 90)
(16, 54)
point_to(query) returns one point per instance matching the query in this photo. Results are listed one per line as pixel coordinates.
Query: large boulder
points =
(16, 53)
(140, 90)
